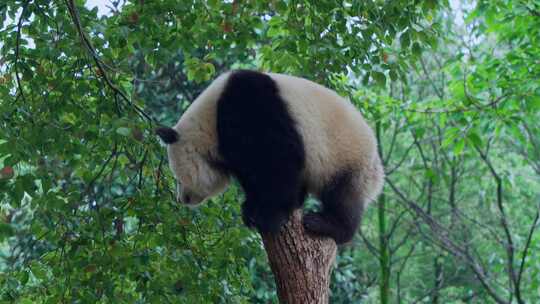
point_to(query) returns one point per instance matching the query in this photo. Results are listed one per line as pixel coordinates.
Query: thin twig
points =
(99, 64)
(444, 241)
(438, 91)
(102, 169)
(17, 50)
(476, 107)
(528, 244)
(509, 246)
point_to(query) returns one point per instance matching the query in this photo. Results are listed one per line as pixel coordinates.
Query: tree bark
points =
(301, 263)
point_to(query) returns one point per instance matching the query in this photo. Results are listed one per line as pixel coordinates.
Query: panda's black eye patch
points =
(168, 135)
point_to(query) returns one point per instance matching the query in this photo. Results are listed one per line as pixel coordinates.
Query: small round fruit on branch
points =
(7, 172)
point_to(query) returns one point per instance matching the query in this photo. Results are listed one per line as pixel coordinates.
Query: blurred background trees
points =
(87, 212)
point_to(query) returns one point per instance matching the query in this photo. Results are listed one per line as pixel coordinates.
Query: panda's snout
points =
(190, 199)
(183, 197)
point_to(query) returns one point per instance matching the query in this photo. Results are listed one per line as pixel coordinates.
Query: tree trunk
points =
(301, 263)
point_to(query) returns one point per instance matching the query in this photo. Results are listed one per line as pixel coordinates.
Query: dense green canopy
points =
(87, 210)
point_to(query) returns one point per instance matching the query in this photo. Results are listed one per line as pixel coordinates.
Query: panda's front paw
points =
(271, 223)
(248, 221)
(315, 223)
(248, 217)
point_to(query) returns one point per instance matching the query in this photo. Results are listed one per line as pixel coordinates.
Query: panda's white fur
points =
(197, 127)
(335, 136)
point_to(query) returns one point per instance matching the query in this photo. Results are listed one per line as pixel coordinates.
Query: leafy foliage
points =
(87, 211)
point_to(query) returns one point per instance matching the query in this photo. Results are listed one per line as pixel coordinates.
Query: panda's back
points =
(336, 136)
(257, 135)
(332, 134)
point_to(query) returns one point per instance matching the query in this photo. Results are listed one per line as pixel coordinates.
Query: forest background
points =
(87, 211)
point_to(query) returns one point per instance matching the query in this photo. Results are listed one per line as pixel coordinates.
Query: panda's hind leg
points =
(342, 207)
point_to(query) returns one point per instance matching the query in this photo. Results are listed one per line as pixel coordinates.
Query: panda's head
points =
(197, 178)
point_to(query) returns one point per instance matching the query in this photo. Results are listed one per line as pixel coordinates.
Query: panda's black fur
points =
(260, 145)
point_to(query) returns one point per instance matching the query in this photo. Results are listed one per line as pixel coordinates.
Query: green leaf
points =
(450, 135)
(475, 139)
(6, 230)
(379, 77)
(123, 131)
(416, 49)
(39, 271)
(274, 32)
(24, 277)
(534, 103)
(458, 147)
(393, 75)
(404, 40)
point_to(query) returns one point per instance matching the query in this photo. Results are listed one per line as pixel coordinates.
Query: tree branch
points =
(504, 223)
(445, 242)
(99, 64)
(301, 263)
(528, 244)
(17, 49)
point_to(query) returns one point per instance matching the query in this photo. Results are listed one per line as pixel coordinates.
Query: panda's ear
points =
(168, 135)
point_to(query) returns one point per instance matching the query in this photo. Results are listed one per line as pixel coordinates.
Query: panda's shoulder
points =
(288, 87)
(285, 80)
(246, 76)
(242, 83)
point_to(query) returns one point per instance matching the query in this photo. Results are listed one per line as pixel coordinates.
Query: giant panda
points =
(282, 138)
